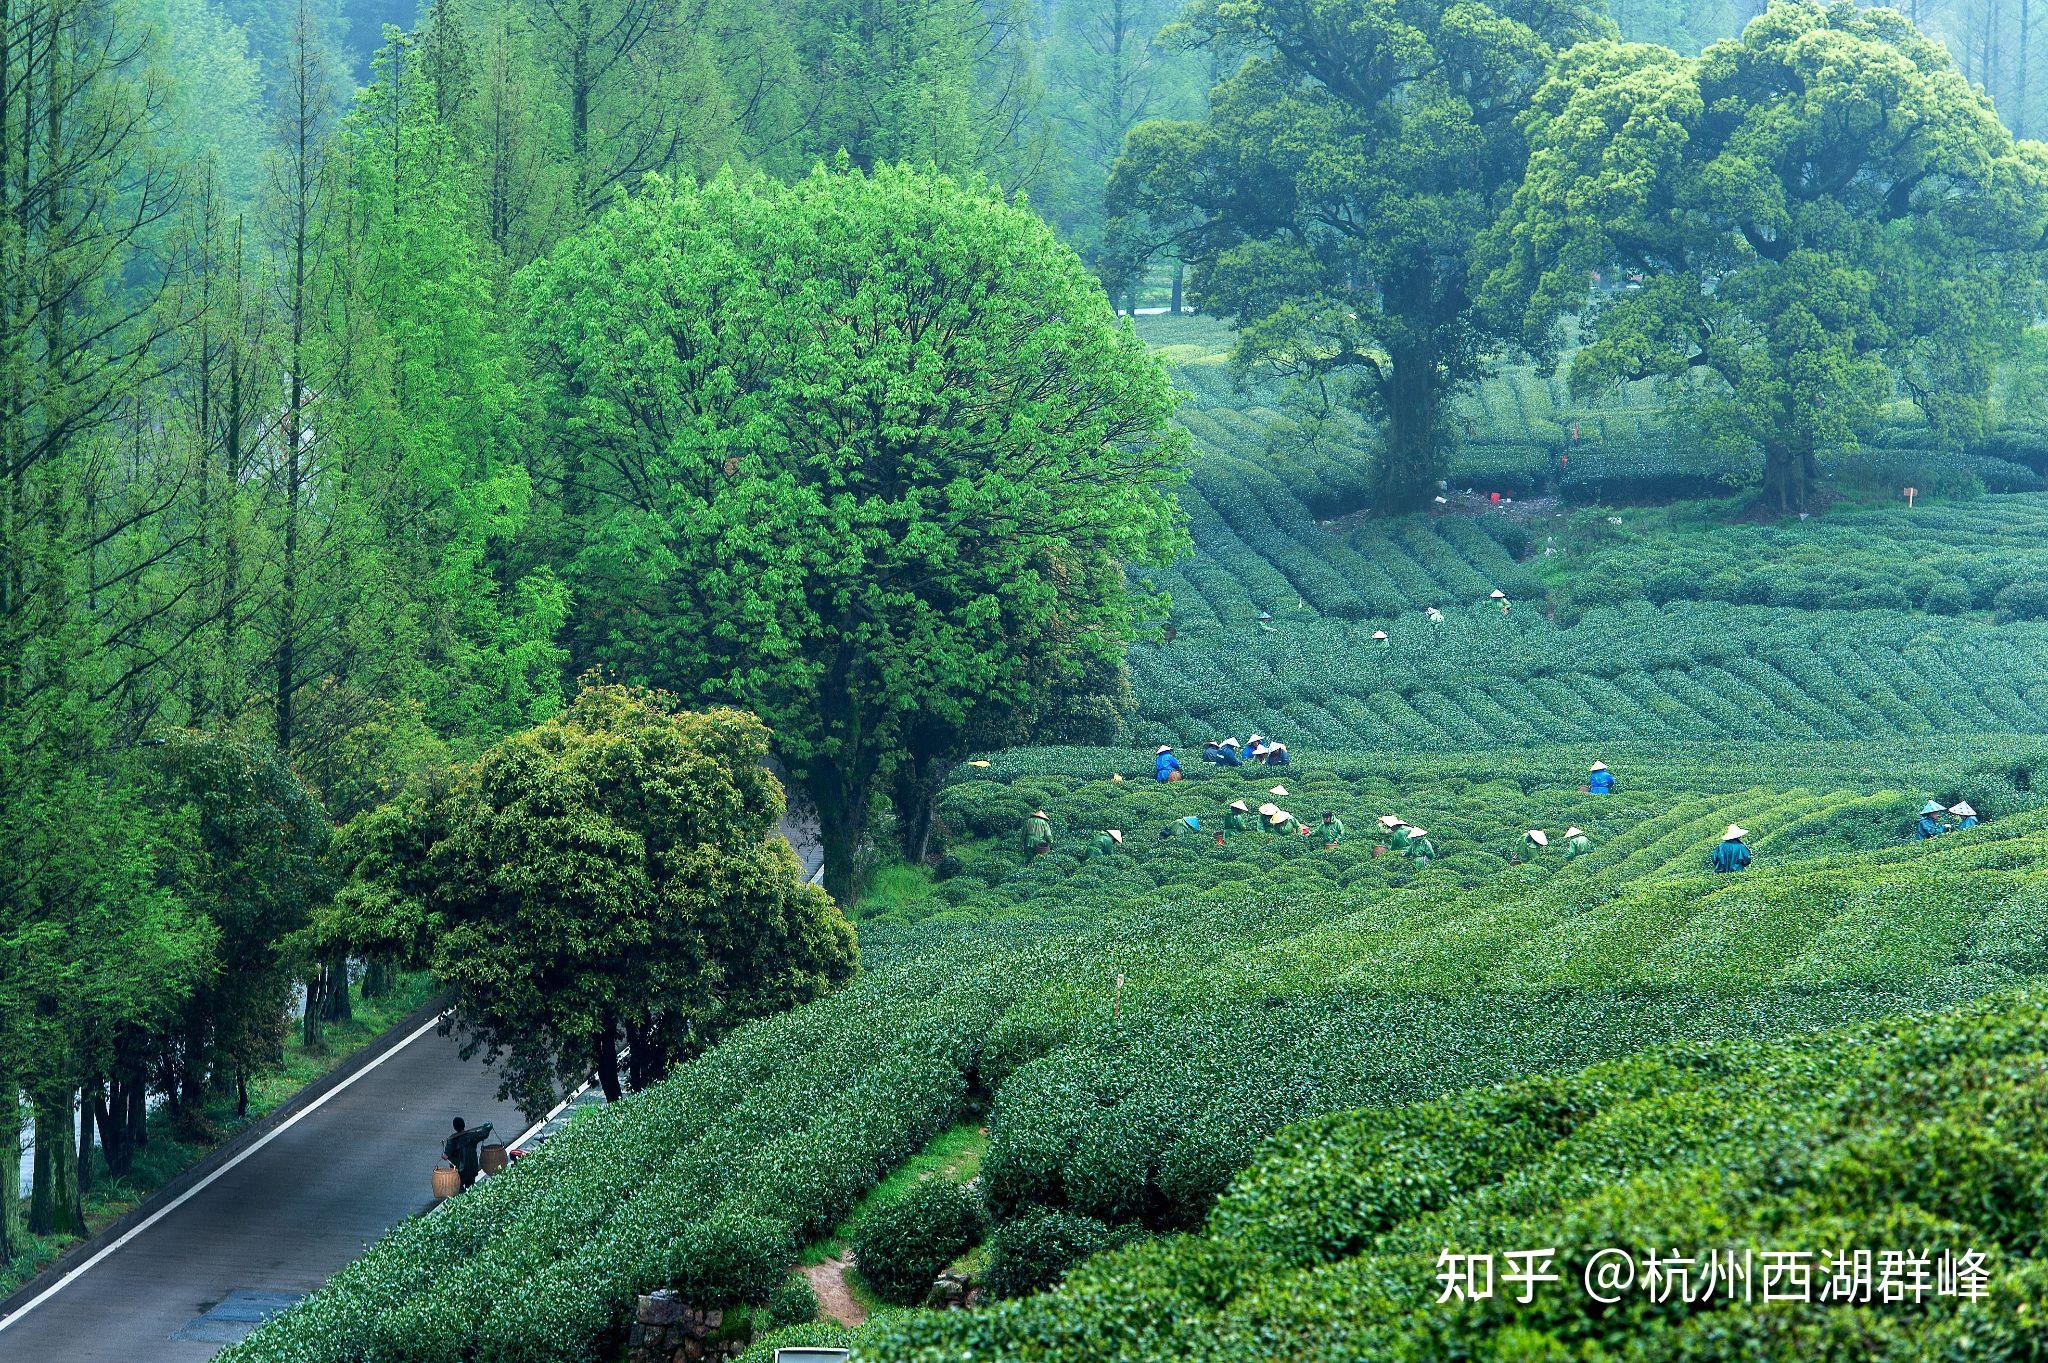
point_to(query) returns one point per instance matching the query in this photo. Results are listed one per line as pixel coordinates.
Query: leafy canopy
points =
(1819, 211)
(615, 872)
(1333, 197)
(865, 453)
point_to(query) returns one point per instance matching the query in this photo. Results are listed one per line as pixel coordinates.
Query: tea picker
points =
(1037, 834)
(1731, 855)
(1929, 824)
(1599, 780)
(1165, 766)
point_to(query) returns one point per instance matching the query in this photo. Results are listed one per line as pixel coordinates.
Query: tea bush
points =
(903, 1247)
(1917, 1135)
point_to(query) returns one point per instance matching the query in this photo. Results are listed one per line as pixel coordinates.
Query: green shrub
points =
(1947, 596)
(2022, 601)
(793, 1303)
(730, 1259)
(1035, 1251)
(903, 1247)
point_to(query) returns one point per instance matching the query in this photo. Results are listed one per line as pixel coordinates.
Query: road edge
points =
(360, 1059)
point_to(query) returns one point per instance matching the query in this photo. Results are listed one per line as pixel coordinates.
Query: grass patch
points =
(897, 890)
(953, 1156)
(166, 1156)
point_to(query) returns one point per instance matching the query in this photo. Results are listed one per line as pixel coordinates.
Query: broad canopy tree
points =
(865, 453)
(613, 878)
(1822, 212)
(1330, 203)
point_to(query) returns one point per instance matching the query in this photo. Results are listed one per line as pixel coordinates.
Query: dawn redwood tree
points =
(615, 876)
(1822, 212)
(1330, 203)
(868, 454)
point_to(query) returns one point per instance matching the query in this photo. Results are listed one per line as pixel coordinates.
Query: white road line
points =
(553, 1113)
(201, 1186)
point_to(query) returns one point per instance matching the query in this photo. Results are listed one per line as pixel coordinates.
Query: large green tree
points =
(613, 878)
(865, 453)
(1330, 202)
(1822, 213)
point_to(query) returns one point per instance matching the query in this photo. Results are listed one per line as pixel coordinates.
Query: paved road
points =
(272, 1228)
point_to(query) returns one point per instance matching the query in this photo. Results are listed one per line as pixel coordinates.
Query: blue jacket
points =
(1927, 827)
(1967, 821)
(1167, 763)
(1601, 783)
(1276, 757)
(1731, 856)
(1213, 754)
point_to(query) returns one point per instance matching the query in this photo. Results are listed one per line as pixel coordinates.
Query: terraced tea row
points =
(1479, 678)
(1915, 1145)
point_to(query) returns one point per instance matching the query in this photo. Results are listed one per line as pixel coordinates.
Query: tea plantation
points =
(1294, 1073)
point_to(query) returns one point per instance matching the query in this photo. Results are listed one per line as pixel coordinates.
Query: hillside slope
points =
(1134, 1030)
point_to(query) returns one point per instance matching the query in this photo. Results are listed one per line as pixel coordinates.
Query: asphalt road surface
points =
(272, 1228)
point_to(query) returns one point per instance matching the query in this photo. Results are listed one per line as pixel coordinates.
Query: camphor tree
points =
(1330, 203)
(612, 877)
(1822, 212)
(867, 454)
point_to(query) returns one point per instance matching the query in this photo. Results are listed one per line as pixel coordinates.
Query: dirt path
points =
(828, 1280)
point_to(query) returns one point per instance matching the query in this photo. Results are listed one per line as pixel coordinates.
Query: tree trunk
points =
(1789, 479)
(138, 1113)
(337, 1007)
(88, 1099)
(917, 786)
(376, 977)
(316, 1003)
(1412, 455)
(1180, 268)
(10, 1142)
(605, 1052)
(53, 1194)
(110, 1115)
(842, 828)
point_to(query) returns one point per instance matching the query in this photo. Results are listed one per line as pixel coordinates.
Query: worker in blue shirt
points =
(1928, 825)
(1600, 780)
(1732, 855)
(1165, 766)
(1966, 817)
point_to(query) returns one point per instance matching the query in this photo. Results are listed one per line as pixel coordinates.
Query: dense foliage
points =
(615, 878)
(903, 1247)
(885, 501)
(1331, 200)
(1816, 212)
(1920, 1136)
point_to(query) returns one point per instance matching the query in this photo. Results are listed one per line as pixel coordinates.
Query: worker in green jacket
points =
(1418, 847)
(1333, 829)
(1576, 844)
(1106, 843)
(1395, 832)
(1037, 834)
(1533, 843)
(1236, 819)
(1283, 823)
